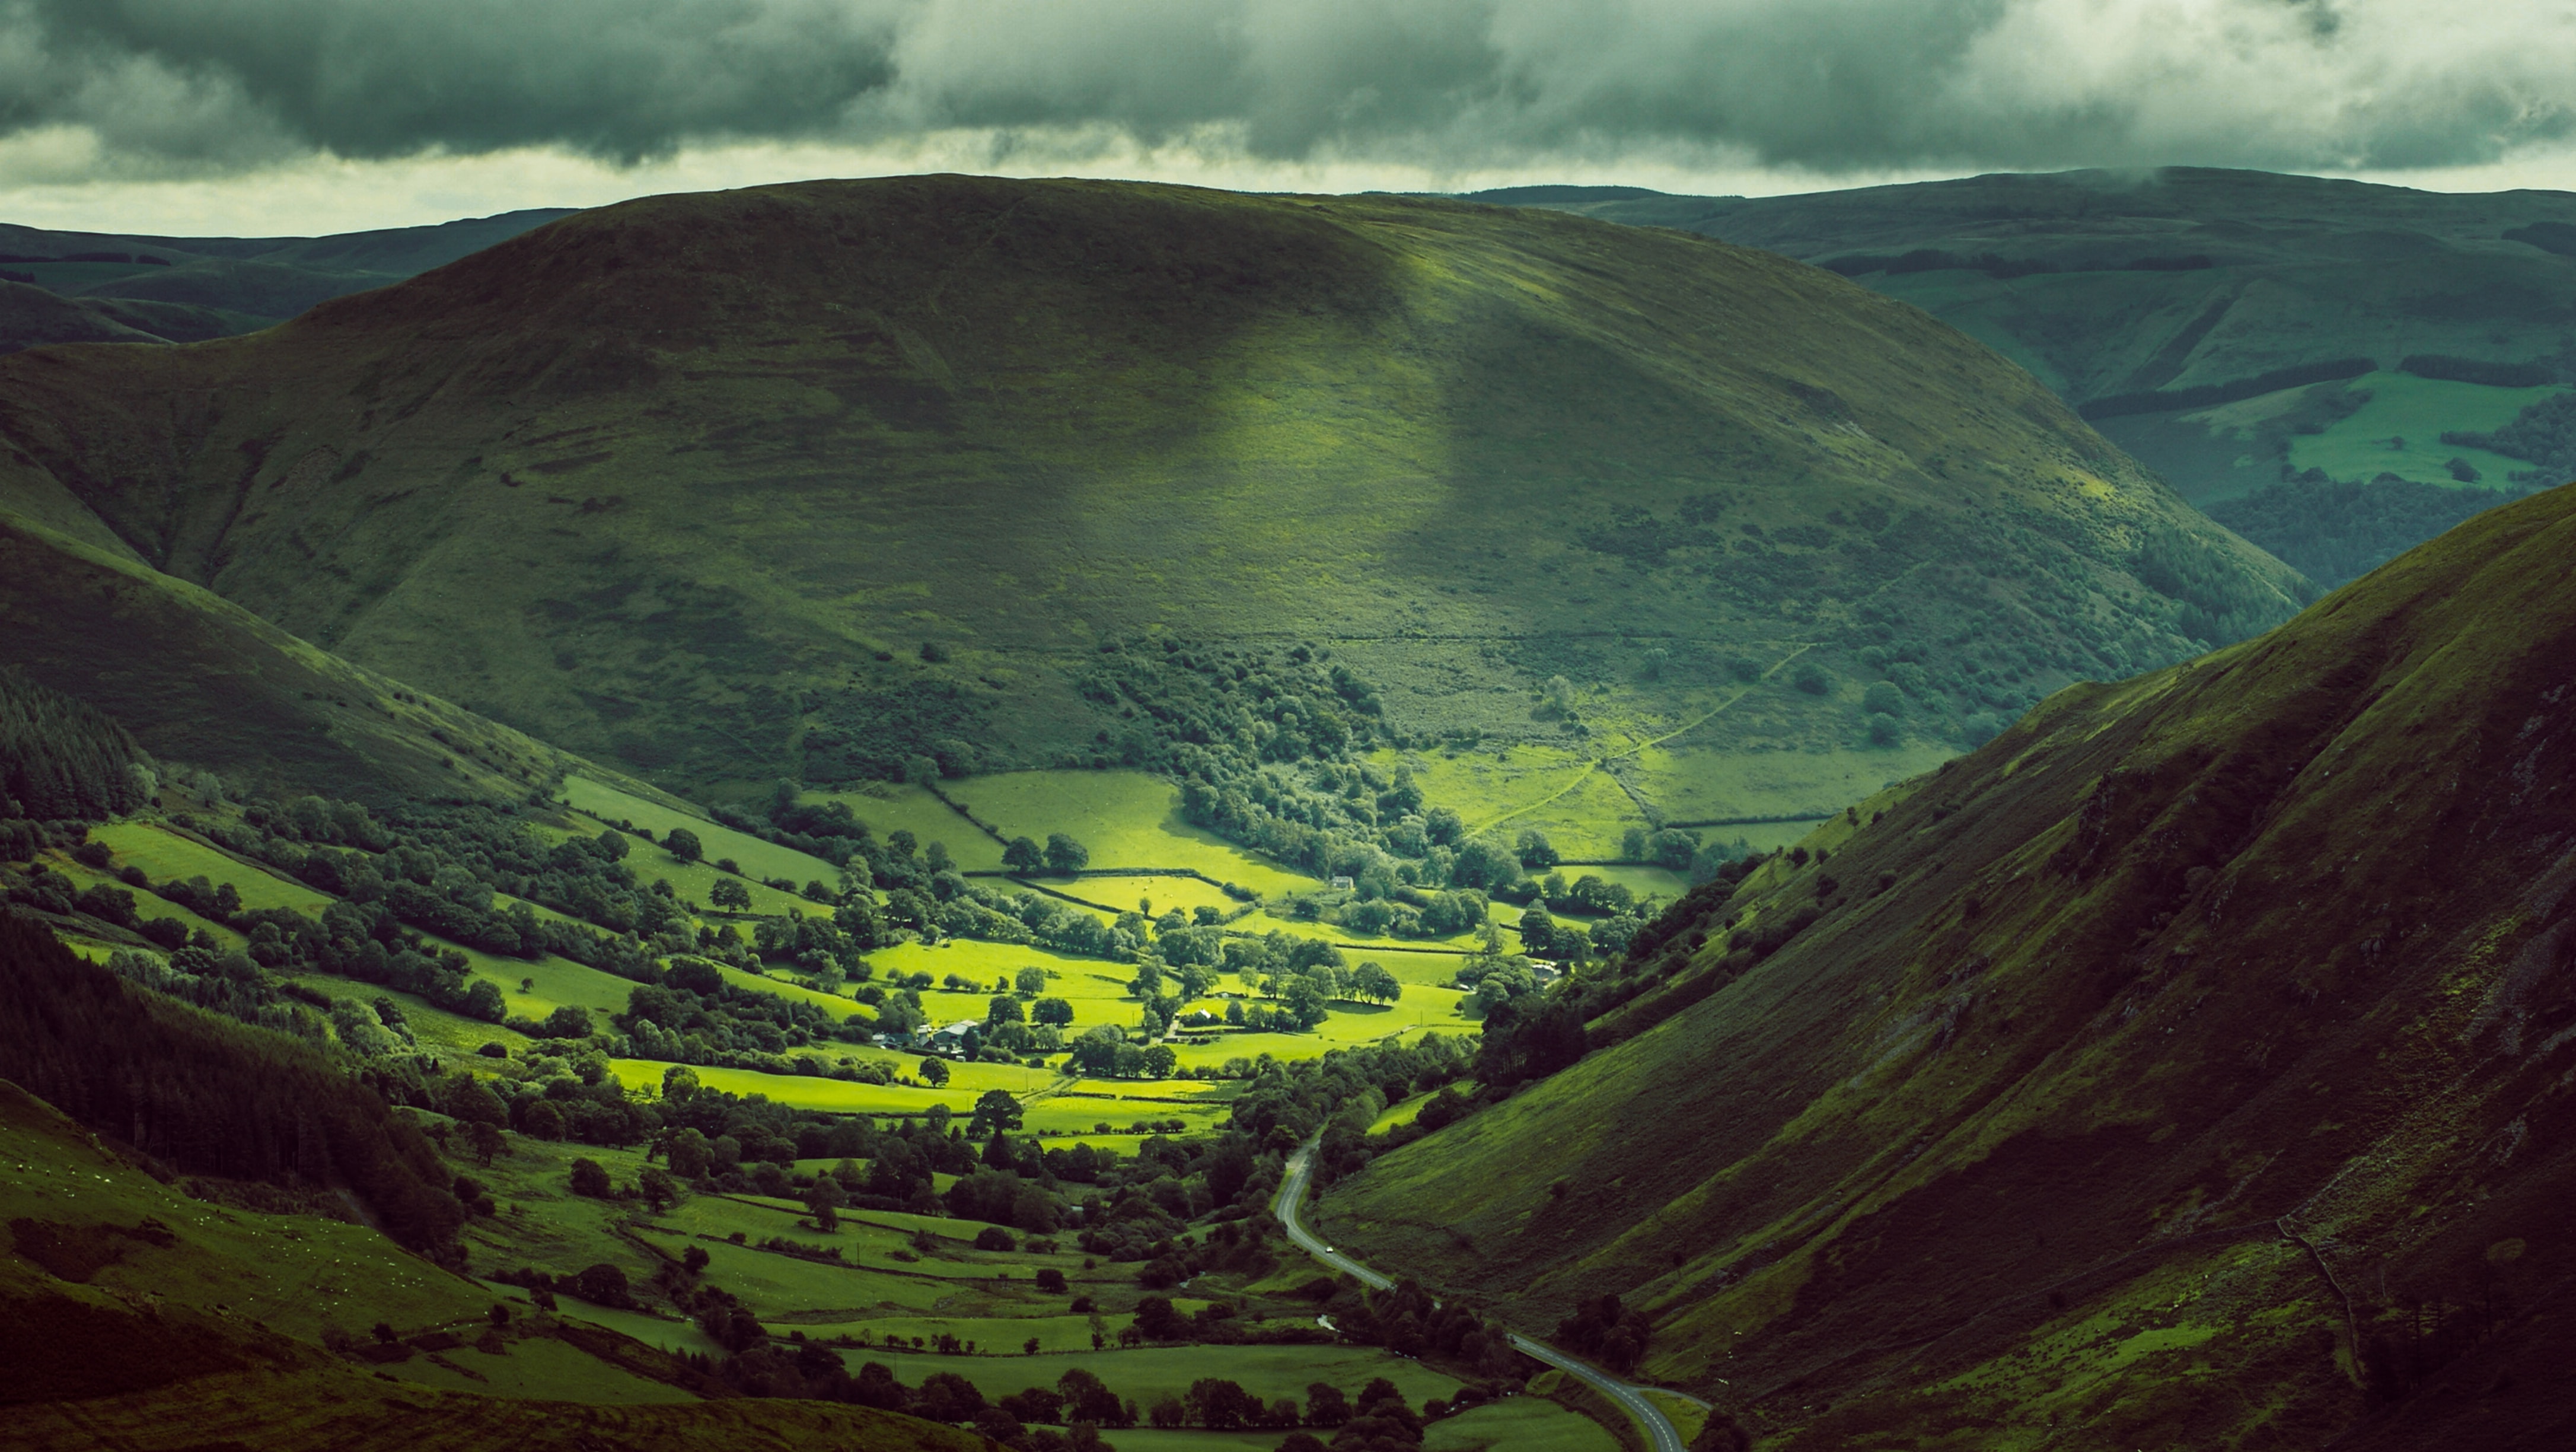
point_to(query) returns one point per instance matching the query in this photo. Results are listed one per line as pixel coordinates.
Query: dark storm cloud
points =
(1827, 84)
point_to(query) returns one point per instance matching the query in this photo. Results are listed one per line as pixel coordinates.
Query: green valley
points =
(944, 812)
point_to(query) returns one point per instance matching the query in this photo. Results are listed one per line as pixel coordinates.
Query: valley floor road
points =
(1660, 1431)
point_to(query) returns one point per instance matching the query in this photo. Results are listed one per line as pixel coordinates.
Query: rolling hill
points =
(2188, 1065)
(96, 287)
(2239, 332)
(802, 480)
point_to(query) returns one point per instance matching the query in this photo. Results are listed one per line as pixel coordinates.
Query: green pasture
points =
(1400, 1112)
(543, 1369)
(1693, 783)
(447, 1035)
(1052, 1115)
(146, 906)
(781, 984)
(294, 1273)
(758, 858)
(1149, 1373)
(1125, 819)
(889, 807)
(1649, 881)
(1123, 894)
(2417, 410)
(164, 855)
(1518, 1424)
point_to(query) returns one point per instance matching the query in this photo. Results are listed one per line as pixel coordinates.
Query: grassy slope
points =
(210, 1335)
(198, 678)
(2275, 936)
(660, 481)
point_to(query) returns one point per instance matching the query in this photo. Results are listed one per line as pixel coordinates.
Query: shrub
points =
(1812, 680)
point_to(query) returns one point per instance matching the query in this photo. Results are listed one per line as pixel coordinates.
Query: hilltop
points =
(2240, 332)
(808, 480)
(2192, 1060)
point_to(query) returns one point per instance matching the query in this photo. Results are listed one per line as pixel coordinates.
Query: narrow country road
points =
(1660, 1432)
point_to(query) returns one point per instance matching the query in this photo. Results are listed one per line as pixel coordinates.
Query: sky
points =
(282, 117)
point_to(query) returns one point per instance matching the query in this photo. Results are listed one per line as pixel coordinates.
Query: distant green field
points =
(1150, 1373)
(1132, 894)
(758, 858)
(146, 906)
(1125, 819)
(838, 1096)
(888, 807)
(164, 855)
(2417, 410)
(1519, 1424)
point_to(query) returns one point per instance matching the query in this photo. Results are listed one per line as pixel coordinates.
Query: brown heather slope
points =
(2139, 1065)
(689, 481)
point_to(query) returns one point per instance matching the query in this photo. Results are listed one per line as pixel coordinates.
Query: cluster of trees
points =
(2544, 433)
(209, 1096)
(1605, 1331)
(61, 759)
(1342, 1093)
(2333, 532)
(693, 1016)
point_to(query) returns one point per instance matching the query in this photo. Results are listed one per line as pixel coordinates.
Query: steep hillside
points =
(2189, 1066)
(802, 480)
(203, 682)
(2193, 312)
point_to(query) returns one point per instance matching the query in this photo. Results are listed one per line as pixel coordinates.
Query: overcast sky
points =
(300, 116)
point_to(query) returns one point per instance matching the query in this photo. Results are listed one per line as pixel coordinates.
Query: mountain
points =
(98, 287)
(2239, 332)
(806, 480)
(2190, 1065)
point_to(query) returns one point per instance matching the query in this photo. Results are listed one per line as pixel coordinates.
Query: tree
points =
(611, 844)
(485, 1141)
(1883, 699)
(1030, 981)
(1373, 981)
(1538, 931)
(730, 895)
(825, 1201)
(1023, 855)
(657, 1187)
(934, 1072)
(1004, 1009)
(588, 1178)
(1065, 856)
(683, 844)
(1535, 851)
(997, 1109)
(690, 1155)
(1326, 1406)
(1056, 1011)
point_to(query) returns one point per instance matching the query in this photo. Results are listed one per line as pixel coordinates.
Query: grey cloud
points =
(1824, 84)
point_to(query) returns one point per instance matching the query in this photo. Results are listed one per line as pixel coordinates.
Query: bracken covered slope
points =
(691, 481)
(2193, 1065)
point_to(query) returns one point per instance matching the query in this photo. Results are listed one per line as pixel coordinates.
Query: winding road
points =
(1661, 1434)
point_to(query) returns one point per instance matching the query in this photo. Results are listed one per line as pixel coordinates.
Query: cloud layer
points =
(178, 87)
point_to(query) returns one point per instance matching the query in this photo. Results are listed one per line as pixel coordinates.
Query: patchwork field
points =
(165, 854)
(759, 859)
(889, 807)
(1125, 818)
